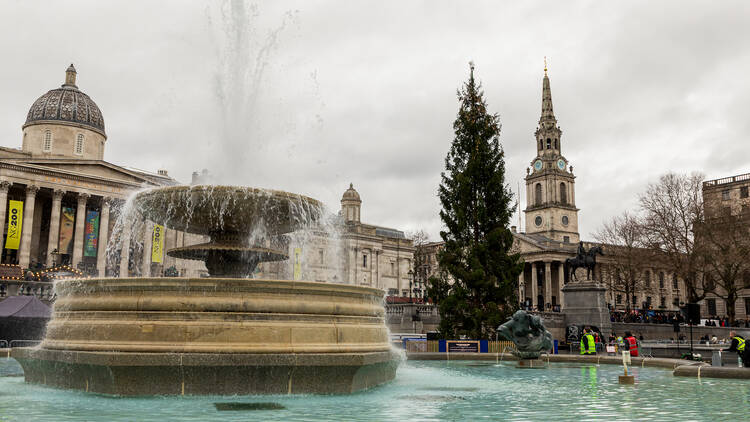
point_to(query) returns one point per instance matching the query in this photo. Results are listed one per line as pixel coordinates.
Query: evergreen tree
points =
(476, 289)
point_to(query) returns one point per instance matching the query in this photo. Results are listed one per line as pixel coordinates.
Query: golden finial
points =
(545, 65)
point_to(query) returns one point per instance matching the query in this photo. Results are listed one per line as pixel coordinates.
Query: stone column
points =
(521, 283)
(534, 286)
(547, 283)
(28, 225)
(80, 223)
(101, 253)
(4, 186)
(148, 231)
(53, 241)
(125, 253)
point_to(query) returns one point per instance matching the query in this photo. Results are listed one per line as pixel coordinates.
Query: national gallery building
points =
(59, 202)
(59, 199)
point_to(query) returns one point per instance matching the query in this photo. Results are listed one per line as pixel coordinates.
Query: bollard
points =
(716, 358)
(625, 378)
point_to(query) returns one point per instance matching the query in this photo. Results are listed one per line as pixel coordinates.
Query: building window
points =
(744, 192)
(648, 302)
(79, 144)
(675, 283)
(549, 143)
(555, 143)
(392, 292)
(647, 277)
(393, 268)
(663, 302)
(538, 221)
(563, 193)
(635, 301)
(538, 194)
(320, 256)
(566, 239)
(541, 144)
(711, 304)
(725, 195)
(619, 299)
(661, 280)
(747, 307)
(364, 261)
(47, 143)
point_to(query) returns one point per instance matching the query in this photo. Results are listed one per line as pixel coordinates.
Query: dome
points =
(351, 194)
(67, 105)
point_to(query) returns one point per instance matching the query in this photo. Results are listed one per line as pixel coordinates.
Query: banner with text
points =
(67, 225)
(157, 244)
(91, 233)
(15, 222)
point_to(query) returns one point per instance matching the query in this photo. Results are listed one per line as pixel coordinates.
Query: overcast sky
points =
(310, 96)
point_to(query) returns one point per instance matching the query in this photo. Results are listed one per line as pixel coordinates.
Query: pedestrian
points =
(631, 344)
(588, 344)
(738, 345)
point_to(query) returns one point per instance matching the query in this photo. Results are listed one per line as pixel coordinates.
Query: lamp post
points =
(411, 283)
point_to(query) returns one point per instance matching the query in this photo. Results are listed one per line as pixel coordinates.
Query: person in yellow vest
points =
(588, 345)
(738, 345)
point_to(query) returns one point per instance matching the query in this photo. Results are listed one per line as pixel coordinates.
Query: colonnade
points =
(31, 229)
(541, 283)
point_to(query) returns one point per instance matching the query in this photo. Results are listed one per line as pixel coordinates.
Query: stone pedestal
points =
(585, 304)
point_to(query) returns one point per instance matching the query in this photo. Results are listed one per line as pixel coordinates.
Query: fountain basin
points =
(143, 336)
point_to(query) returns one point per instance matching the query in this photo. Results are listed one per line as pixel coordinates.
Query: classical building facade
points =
(351, 252)
(729, 197)
(59, 199)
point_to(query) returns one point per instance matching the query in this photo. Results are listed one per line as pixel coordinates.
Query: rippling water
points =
(422, 391)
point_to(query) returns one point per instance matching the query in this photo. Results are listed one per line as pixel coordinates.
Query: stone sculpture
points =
(585, 259)
(528, 333)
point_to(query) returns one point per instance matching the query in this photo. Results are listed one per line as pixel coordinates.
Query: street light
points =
(411, 282)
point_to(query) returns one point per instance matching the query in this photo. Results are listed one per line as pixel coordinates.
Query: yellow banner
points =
(297, 263)
(15, 222)
(157, 244)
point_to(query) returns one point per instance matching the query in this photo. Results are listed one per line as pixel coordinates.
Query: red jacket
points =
(632, 345)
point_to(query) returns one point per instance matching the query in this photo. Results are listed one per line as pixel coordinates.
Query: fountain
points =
(226, 334)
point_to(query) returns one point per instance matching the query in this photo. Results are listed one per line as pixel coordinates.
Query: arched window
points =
(79, 144)
(538, 194)
(555, 143)
(563, 193)
(661, 280)
(47, 143)
(549, 143)
(541, 144)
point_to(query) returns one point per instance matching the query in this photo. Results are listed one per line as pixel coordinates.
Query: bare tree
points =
(624, 240)
(421, 261)
(725, 245)
(672, 209)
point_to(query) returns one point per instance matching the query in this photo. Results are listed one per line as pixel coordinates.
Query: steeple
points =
(547, 119)
(548, 133)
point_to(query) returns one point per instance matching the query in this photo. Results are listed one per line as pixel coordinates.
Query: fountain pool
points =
(422, 391)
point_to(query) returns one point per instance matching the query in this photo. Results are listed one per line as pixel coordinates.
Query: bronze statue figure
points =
(528, 333)
(585, 259)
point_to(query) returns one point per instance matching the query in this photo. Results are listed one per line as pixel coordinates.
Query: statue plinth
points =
(585, 304)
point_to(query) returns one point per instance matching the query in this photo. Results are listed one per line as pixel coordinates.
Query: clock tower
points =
(550, 184)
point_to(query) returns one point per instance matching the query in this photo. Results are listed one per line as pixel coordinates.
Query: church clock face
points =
(561, 164)
(538, 165)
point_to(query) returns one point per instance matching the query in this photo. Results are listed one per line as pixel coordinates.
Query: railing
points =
(725, 180)
(433, 346)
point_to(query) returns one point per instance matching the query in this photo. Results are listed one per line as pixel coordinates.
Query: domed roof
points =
(67, 104)
(351, 194)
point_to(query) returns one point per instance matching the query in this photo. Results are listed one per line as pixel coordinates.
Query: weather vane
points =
(545, 65)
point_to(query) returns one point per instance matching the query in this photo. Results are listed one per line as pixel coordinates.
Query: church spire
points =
(548, 115)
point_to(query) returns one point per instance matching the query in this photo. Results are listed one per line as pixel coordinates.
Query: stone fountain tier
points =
(145, 336)
(239, 220)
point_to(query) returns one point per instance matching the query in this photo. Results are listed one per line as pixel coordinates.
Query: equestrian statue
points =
(585, 259)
